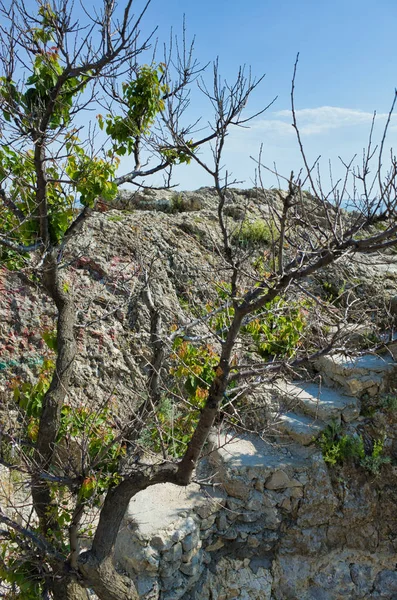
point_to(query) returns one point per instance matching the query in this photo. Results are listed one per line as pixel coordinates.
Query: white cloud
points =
(314, 121)
(272, 126)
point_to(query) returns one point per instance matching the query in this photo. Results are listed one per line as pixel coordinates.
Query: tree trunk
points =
(212, 405)
(68, 589)
(105, 581)
(57, 392)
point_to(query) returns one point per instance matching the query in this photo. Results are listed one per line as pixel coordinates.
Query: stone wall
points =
(269, 521)
(269, 525)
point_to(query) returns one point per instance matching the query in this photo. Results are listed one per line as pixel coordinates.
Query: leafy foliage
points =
(332, 292)
(97, 436)
(32, 103)
(276, 329)
(178, 156)
(94, 437)
(252, 233)
(91, 432)
(337, 448)
(389, 402)
(193, 372)
(374, 462)
(18, 574)
(19, 168)
(29, 396)
(143, 99)
(91, 177)
(49, 91)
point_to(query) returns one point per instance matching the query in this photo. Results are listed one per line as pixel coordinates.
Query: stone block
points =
(191, 568)
(278, 480)
(174, 582)
(167, 569)
(362, 577)
(174, 594)
(211, 506)
(237, 487)
(161, 542)
(217, 545)
(174, 553)
(250, 516)
(230, 534)
(189, 555)
(253, 541)
(147, 585)
(139, 558)
(222, 522)
(184, 528)
(206, 534)
(297, 492)
(191, 541)
(272, 519)
(207, 523)
(235, 504)
(286, 504)
(255, 502)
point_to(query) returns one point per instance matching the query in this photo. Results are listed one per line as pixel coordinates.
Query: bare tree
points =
(53, 69)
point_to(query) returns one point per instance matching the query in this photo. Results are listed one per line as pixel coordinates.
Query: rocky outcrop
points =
(105, 269)
(272, 521)
(268, 519)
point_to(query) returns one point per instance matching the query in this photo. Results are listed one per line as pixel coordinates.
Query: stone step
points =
(365, 374)
(239, 460)
(300, 428)
(319, 402)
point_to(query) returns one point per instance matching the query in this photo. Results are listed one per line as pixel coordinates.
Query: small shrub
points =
(115, 218)
(252, 233)
(29, 396)
(13, 261)
(20, 579)
(374, 462)
(337, 448)
(100, 446)
(332, 292)
(89, 429)
(276, 329)
(389, 403)
(177, 203)
(98, 436)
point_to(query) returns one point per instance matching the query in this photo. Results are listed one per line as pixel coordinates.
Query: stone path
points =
(260, 499)
(310, 407)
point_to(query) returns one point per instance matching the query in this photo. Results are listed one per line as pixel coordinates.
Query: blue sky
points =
(347, 70)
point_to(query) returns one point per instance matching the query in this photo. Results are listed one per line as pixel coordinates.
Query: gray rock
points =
(358, 375)
(362, 577)
(278, 480)
(167, 569)
(192, 567)
(173, 554)
(320, 402)
(386, 585)
(174, 582)
(300, 428)
(191, 541)
(207, 523)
